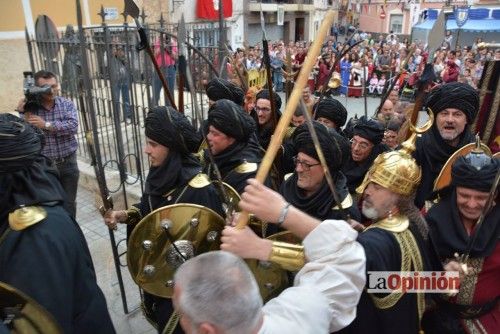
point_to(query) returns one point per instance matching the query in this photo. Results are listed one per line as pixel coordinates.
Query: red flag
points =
(209, 9)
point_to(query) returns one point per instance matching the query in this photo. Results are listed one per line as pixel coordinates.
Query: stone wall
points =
(13, 61)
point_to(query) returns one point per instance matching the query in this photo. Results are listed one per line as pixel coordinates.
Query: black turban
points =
(172, 129)
(331, 109)
(26, 176)
(264, 94)
(230, 118)
(20, 143)
(454, 95)
(331, 150)
(463, 174)
(218, 89)
(369, 129)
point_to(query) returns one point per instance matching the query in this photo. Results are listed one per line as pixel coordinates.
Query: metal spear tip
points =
(131, 9)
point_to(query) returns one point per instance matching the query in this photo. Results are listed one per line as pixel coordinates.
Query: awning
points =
(486, 25)
(426, 25)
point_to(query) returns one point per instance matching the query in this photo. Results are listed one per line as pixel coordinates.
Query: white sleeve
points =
(327, 289)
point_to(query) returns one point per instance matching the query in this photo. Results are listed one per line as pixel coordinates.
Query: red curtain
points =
(209, 9)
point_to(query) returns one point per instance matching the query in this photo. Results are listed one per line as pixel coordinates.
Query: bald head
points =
(393, 97)
(386, 111)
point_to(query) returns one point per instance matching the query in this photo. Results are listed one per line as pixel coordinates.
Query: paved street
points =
(97, 236)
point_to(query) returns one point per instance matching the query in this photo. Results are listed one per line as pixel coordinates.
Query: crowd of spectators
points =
(373, 61)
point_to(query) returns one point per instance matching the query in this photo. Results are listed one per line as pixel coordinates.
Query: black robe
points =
(50, 262)
(355, 172)
(166, 185)
(383, 254)
(321, 204)
(431, 154)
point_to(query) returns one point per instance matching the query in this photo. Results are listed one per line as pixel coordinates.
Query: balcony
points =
(289, 5)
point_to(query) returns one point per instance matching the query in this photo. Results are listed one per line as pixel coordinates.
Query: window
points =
(396, 23)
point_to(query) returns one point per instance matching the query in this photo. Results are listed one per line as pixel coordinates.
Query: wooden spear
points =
(291, 105)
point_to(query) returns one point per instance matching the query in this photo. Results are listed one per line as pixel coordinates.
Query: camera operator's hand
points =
(20, 105)
(35, 120)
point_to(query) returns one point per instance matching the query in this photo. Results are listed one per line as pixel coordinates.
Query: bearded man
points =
(455, 106)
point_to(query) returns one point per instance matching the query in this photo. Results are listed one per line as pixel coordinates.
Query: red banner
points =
(209, 9)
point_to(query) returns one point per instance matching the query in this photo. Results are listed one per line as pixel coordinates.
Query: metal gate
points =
(112, 85)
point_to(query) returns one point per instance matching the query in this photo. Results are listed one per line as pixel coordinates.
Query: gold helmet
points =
(397, 170)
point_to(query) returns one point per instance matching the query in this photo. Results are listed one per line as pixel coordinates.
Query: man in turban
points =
(455, 106)
(232, 142)
(43, 252)
(218, 89)
(331, 113)
(455, 229)
(366, 145)
(306, 188)
(175, 176)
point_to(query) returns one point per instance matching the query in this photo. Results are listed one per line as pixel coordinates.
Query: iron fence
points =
(122, 81)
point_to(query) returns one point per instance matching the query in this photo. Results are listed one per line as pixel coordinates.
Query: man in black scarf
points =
(232, 141)
(43, 252)
(454, 229)
(307, 188)
(331, 113)
(265, 118)
(366, 145)
(175, 176)
(455, 106)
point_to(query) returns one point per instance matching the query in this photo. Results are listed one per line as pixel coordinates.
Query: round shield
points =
(444, 178)
(166, 238)
(271, 277)
(21, 314)
(231, 198)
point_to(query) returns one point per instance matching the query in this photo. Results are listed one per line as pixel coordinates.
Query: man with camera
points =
(58, 118)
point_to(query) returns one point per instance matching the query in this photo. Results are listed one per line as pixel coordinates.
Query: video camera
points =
(32, 93)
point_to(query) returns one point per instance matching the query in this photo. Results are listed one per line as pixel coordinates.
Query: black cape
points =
(50, 262)
(383, 254)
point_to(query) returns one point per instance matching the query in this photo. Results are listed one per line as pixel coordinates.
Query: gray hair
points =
(218, 288)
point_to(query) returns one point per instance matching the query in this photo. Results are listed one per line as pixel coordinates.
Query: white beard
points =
(369, 212)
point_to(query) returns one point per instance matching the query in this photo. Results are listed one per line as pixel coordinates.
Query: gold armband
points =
(133, 216)
(289, 256)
